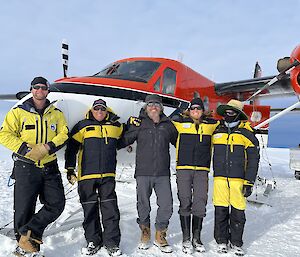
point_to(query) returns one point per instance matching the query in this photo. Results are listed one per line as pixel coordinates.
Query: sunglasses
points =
(230, 113)
(154, 105)
(197, 107)
(36, 87)
(99, 108)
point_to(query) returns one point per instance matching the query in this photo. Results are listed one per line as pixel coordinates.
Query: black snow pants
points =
(31, 183)
(229, 226)
(95, 192)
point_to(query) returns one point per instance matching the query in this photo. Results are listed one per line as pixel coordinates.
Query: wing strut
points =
(281, 75)
(278, 115)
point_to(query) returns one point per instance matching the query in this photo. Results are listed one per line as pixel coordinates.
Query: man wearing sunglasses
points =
(34, 131)
(235, 163)
(154, 132)
(95, 138)
(193, 154)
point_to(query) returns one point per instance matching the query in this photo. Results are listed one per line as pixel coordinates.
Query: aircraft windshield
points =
(140, 71)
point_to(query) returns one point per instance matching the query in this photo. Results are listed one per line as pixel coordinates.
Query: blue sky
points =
(220, 39)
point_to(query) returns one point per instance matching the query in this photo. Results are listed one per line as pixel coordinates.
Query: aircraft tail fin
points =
(257, 71)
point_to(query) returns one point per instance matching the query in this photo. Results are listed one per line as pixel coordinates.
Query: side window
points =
(157, 85)
(169, 81)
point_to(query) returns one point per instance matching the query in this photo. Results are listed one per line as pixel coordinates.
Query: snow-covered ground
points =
(270, 230)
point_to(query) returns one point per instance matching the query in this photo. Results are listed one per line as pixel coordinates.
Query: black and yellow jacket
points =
(24, 125)
(193, 147)
(236, 152)
(97, 145)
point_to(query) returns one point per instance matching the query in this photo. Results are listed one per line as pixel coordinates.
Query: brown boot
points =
(29, 244)
(161, 241)
(145, 237)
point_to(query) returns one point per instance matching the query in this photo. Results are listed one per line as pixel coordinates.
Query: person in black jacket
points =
(193, 157)
(96, 140)
(153, 132)
(235, 163)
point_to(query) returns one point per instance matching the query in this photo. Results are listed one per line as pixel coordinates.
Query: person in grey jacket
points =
(153, 131)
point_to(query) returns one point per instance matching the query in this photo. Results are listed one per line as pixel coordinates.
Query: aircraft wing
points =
(244, 88)
(17, 96)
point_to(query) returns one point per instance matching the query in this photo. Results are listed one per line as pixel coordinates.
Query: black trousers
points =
(229, 226)
(94, 193)
(31, 183)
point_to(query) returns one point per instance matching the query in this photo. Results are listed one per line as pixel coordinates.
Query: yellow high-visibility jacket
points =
(193, 147)
(24, 125)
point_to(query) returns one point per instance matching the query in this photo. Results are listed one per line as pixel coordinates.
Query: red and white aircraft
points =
(124, 84)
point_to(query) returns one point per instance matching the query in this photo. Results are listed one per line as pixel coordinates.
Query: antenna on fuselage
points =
(180, 57)
(65, 56)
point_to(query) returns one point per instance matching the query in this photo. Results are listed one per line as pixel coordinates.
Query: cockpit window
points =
(169, 81)
(140, 71)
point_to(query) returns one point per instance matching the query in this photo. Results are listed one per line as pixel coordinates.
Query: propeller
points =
(284, 68)
(65, 56)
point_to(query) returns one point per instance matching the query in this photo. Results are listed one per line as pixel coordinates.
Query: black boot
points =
(196, 228)
(185, 222)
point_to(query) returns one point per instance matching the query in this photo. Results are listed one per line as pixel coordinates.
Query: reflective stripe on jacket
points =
(236, 152)
(193, 147)
(24, 125)
(96, 145)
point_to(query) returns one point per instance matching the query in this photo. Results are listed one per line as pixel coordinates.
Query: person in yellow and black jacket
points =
(193, 156)
(34, 131)
(235, 164)
(95, 138)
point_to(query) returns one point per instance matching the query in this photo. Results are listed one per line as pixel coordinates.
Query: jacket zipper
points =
(155, 143)
(37, 130)
(46, 134)
(41, 129)
(227, 156)
(197, 126)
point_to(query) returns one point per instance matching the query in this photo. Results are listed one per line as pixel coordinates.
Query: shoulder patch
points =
(218, 135)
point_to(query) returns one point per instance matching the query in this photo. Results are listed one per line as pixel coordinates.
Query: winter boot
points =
(185, 222)
(29, 244)
(90, 249)
(145, 237)
(161, 241)
(222, 248)
(113, 250)
(237, 250)
(196, 228)
(21, 253)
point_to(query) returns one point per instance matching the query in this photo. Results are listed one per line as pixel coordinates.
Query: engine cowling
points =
(295, 73)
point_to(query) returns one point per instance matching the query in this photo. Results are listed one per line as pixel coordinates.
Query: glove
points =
(134, 121)
(71, 176)
(247, 190)
(37, 152)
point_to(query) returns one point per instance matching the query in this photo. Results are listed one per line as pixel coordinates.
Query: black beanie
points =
(197, 101)
(39, 80)
(153, 99)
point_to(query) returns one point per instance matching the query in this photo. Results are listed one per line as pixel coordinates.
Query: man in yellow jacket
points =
(34, 131)
(235, 164)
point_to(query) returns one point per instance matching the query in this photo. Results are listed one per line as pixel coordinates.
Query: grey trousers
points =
(164, 200)
(192, 193)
